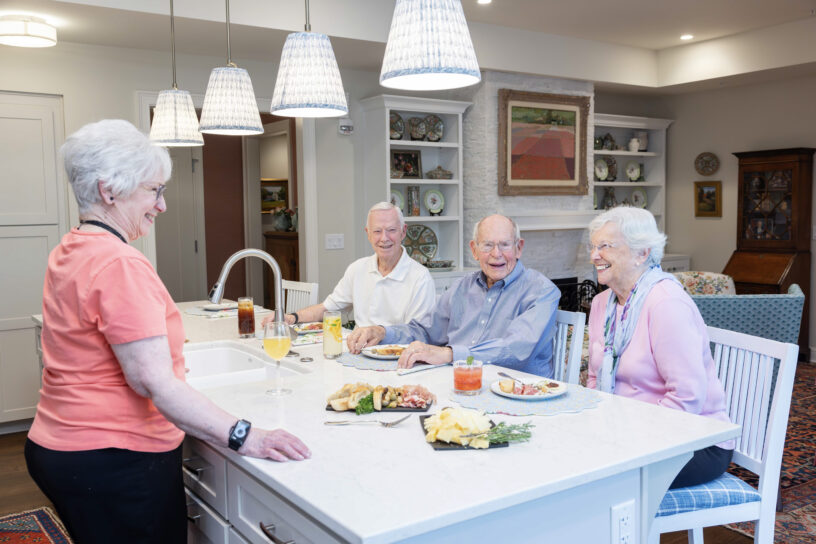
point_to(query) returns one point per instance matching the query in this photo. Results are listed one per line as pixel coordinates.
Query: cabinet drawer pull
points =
(193, 519)
(269, 531)
(195, 465)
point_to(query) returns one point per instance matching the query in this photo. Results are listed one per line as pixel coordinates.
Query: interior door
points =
(33, 216)
(180, 244)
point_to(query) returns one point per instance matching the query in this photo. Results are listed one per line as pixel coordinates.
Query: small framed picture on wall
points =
(406, 163)
(707, 199)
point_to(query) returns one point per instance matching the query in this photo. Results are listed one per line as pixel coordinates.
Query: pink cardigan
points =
(668, 361)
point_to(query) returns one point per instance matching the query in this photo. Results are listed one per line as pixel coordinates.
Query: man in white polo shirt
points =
(388, 287)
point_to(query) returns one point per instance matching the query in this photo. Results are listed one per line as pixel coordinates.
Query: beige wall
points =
(770, 115)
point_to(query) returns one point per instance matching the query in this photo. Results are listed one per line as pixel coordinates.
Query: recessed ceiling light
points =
(26, 31)
(686, 37)
(483, 1)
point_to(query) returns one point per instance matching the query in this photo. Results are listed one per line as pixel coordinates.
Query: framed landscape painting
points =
(707, 198)
(542, 143)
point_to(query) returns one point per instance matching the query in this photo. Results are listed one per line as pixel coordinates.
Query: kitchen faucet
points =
(217, 291)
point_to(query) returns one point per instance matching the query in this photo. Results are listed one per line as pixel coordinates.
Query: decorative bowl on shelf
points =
(439, 173)
(439, 264)
(396, 174)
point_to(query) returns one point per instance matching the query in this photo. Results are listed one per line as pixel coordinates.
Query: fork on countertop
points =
(383, 423)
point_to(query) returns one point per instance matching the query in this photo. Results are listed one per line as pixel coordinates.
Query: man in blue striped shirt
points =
(504, 314)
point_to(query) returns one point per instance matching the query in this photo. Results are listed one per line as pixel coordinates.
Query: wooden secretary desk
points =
(773, 226)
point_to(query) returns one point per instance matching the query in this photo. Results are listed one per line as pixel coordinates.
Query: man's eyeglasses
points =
(487, 247)
(157, 190)
(600, 247)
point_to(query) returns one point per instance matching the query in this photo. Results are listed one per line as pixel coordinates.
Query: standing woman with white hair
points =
(647, 339)
(105, 445)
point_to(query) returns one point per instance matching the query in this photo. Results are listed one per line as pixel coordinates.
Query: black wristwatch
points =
(238, 434)
(297, 318)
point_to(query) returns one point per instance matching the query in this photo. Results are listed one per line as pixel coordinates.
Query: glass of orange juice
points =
(276, 344)
(467, 376)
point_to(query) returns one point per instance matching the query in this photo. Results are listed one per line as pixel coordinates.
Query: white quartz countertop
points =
(373, 484)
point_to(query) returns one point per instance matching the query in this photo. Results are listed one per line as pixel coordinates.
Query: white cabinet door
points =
(33, 215)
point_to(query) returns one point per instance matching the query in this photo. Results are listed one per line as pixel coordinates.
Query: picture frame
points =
(274, 194)
(542, 143)
(406, 161)
(707, 199)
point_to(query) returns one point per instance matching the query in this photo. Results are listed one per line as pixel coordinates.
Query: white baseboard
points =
(16, 426)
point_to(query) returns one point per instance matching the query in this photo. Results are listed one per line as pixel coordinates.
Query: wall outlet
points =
(334, 241)
(623, 524)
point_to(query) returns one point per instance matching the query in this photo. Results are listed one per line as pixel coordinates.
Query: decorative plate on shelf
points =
(418, 128)
(398, 199)
(639, 198)
(601, 170)
(706, 163)
(420, 242)
(396, 125)
(633, 170)
(434, 201)
(435, 128)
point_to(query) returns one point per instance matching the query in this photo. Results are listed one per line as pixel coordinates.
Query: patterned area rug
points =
(796, 524)
(40, 525)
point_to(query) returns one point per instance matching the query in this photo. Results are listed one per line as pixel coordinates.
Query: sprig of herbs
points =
(469, 360)
(503, 432)
(366, 405)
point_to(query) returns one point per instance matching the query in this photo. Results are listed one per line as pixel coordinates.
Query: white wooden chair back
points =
(745, 366)
(297, 295)
(568, 345)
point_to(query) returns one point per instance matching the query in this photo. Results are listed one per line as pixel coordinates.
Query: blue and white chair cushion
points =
(727, 490)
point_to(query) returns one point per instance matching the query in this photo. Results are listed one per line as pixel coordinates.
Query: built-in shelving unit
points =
(447, 153)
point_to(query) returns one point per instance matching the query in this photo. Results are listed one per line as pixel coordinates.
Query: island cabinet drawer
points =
(204, 526)
(255, 509)
(235, 537)
(205, 473)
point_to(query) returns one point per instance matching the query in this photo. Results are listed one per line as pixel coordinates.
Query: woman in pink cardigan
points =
(647, 340)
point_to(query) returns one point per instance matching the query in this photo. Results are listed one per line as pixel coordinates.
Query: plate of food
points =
(306, 328)
(540, 390)
(385, 351)
(465, 428)
(365, 398)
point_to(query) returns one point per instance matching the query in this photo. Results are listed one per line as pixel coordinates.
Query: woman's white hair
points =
(638, 227)
(115, 152)
(380, 206)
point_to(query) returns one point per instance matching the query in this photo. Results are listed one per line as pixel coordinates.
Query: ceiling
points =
(645, 24)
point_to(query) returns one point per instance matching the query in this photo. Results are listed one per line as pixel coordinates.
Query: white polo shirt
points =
(406, 293)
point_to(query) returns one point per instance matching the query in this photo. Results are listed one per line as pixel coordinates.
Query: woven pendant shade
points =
(229, 104)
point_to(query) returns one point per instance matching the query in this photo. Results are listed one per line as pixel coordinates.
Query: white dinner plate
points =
(551, 394)
(301, 328)
(371, 351)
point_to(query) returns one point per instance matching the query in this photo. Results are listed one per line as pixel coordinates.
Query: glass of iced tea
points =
(246, 317)
(467, 377)
(276, 344)
(332, 335)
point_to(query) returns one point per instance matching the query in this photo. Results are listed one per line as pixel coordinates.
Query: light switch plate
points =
(334, 241)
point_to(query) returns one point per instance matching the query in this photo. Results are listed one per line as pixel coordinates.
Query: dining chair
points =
(745, 366)
(568, 343)
(298, 294)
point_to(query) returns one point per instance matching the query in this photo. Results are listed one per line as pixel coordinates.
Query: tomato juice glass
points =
(467, 377)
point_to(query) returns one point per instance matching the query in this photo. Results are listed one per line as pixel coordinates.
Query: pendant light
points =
(308, 83)
(27, 31)
(229, 103)
(174, 119)
(429, 47)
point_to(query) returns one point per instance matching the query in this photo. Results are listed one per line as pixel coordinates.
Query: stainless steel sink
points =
(227, 362)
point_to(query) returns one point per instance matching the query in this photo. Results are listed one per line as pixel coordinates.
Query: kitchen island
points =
(370, 484)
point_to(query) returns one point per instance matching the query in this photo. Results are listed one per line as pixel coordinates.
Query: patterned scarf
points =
(615, 342)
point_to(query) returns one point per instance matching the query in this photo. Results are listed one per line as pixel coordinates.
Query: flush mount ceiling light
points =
(230, 107)
(686, 37)
(308, 83)
(174, 119)
(26, 31)
(429, 47)
(483, 1)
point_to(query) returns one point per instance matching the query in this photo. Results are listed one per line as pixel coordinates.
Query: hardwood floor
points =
(18, 492)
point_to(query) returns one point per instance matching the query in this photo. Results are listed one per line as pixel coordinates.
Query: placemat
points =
(361, 362)
(576, 399)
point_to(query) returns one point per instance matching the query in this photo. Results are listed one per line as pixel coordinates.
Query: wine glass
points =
(276, 344)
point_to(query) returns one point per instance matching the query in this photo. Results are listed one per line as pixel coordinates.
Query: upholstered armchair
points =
(706, 283)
